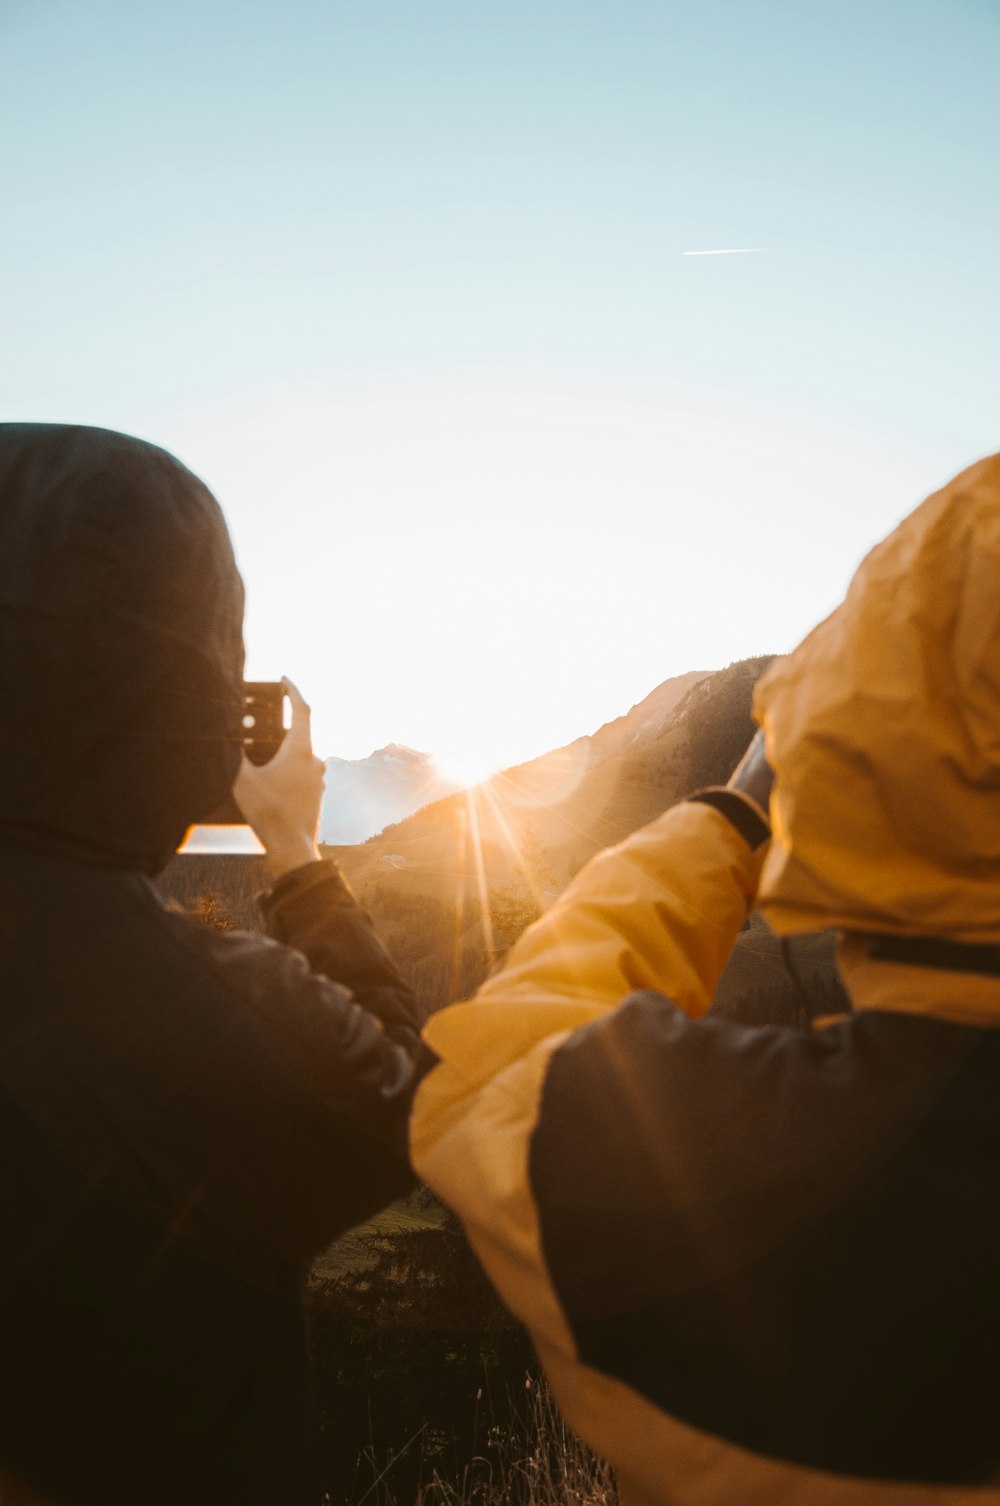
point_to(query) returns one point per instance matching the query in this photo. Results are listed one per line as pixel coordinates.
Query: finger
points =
(246, 770)
(300, 732)
(246, 776)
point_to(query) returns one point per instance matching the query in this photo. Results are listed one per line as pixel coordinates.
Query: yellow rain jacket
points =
(762, 1266)
(883, 728)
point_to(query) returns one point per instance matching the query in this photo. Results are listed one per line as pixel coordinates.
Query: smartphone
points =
(262, 732)
(263, 719)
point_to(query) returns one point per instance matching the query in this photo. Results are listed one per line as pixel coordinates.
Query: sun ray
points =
(514, 842)
(477, 853)
(456, 956)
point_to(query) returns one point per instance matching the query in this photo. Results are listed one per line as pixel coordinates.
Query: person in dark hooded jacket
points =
(186, 1117)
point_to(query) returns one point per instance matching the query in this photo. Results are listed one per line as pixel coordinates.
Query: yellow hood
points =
(883, 729)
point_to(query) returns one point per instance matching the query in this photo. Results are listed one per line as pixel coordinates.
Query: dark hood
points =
(121, 649)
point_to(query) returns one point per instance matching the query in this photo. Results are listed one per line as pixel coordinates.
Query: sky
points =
(407, 284)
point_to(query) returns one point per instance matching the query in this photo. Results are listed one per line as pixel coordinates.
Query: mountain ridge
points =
(365, 796)
(450, 885)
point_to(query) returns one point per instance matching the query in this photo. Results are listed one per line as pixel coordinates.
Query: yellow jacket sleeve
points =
(660, 911)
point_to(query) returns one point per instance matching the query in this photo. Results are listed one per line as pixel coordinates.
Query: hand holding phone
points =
(263, 731)
(280, 796)
(263, 719)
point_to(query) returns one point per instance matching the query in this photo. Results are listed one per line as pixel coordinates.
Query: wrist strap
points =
(738, 812)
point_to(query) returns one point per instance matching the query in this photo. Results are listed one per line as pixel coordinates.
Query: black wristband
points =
(738, 812)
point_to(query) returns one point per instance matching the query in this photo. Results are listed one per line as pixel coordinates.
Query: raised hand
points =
(281, 799)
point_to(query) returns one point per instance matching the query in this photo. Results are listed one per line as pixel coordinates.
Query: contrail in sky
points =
(726, 251)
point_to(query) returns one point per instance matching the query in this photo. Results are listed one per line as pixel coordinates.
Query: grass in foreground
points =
(540, 1463)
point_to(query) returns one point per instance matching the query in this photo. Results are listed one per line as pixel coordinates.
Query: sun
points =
(465, 767)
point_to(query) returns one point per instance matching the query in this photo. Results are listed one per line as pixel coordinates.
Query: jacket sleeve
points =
(661, 911)
(313, 909)
(320, 1066)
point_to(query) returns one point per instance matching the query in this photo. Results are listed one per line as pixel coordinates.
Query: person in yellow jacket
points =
(762, 1265)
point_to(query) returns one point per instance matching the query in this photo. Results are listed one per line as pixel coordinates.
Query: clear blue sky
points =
(405, 283)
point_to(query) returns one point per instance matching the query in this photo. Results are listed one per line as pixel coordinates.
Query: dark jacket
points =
(186, 1116)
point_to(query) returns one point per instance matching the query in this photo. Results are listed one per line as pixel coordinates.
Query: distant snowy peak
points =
(399, 755)
(364, 795)
(392, 753)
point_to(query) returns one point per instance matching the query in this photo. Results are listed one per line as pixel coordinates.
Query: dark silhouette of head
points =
(121, 649)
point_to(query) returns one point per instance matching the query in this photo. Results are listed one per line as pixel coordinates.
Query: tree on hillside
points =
(533, 862)
(210, 912)
(418, 931)
(232, 881)
(518, 902)
(512, 909)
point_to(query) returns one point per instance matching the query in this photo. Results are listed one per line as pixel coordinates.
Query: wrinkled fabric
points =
(758, 1265)
(187, 1117)
(121, 652)
(883, 729)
